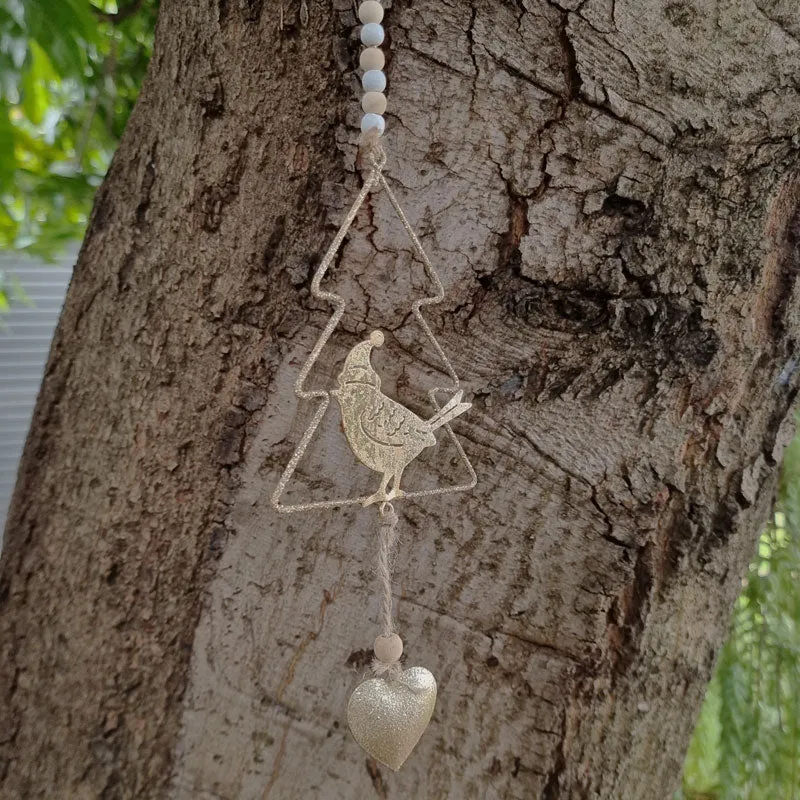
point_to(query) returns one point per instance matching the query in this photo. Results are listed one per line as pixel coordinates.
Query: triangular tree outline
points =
(374, 178)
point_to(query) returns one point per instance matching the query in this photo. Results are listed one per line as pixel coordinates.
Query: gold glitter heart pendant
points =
(388, 717)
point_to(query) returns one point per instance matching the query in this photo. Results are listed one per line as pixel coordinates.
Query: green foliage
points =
(701, 770)
(70, 71)
(747, 742)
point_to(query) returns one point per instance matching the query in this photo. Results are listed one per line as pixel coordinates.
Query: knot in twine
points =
(373, 158)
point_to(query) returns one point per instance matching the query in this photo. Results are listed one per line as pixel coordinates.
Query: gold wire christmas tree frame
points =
(374, 178)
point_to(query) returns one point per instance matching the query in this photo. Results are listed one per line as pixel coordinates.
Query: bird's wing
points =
(386, 422)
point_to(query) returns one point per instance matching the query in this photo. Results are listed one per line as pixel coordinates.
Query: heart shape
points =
(388, 717)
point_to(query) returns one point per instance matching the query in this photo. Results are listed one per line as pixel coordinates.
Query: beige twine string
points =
(388, 540)
(386, 556)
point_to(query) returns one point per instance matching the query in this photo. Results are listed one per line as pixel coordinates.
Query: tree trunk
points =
(611, 193)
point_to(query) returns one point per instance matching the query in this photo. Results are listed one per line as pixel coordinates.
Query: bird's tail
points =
(452, 409)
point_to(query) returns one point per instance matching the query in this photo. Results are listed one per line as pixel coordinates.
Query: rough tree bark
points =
(611, 190)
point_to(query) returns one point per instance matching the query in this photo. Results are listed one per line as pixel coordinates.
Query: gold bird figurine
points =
(383, 434)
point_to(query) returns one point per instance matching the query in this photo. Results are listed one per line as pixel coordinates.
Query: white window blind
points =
(25, 335)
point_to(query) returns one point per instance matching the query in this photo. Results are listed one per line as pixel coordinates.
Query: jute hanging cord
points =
(387, 714)
(388, 646)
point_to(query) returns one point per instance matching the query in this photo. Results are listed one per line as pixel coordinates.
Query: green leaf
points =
(63, 29)
(7, 147)
(34, 94)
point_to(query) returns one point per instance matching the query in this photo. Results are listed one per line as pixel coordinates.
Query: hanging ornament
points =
(387, 714)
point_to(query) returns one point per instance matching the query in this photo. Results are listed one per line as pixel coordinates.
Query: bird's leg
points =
(396, 490)
(380, 496)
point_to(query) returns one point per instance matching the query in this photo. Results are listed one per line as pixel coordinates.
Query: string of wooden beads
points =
(372, 61)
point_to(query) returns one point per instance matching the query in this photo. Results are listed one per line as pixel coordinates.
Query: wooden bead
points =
(373, 122)
(388, 649)
(373, 81)
(374, 103)
(370, 11)
(372, 58)
(372, 34)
